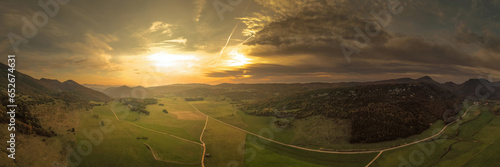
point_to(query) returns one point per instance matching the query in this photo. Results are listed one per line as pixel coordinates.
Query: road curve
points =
(374, 159)
(335, 152)
(203, 143)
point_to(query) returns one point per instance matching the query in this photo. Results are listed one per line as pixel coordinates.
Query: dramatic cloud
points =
(273, 40)
(315, 29)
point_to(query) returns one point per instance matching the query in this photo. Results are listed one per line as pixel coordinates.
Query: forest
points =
(138, 104)
(377, 112)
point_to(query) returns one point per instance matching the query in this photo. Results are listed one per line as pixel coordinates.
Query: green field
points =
(298, 135)
(225, 112)
(469, 142)
(261, 153)
(475, 136)
(121, 147)
(183, 127)
(223, 144)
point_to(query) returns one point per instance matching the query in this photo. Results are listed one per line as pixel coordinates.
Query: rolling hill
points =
(31, 92)
(377, 112)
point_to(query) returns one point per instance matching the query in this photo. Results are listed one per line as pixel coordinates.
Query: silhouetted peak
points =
(124, 86)
(48, 80)
(139, 87)
(426, 78)
(70, 82)
(476, 81)
(450, 83)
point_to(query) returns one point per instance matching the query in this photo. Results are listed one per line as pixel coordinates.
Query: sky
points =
(160, 42)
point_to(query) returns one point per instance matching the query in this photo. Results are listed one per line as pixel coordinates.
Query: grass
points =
(476, 144)
(486, 157)
(160, 121)
(460, 153)
(272, 154)
(414, 154)
(224, 111)
(480, 136)
(223, 143)
(467, 148)
(490, 137)
(29, 147)
(469, 129)
(121, 148)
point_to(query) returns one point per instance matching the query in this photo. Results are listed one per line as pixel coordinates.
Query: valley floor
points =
(214, 133)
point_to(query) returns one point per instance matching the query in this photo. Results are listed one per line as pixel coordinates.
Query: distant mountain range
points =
(479, 88)
(139, 91)
(125, 91)
(98, 87)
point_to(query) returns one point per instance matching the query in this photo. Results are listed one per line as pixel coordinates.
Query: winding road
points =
(335, 152)
(180, 138)
(204, 146)
(379, 151)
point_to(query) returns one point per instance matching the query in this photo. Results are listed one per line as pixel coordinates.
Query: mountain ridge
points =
(28, 85)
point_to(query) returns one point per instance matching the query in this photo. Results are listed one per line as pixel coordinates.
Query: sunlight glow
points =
(238, 59)
(171, 60)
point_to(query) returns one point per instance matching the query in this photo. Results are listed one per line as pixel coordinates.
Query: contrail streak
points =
(247, 39)
(227, 42)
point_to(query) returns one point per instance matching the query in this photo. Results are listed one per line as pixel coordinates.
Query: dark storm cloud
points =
(375, 70)
(448, 40)
(487, 39)
(429, 52)
(315, 25)
(399, 56)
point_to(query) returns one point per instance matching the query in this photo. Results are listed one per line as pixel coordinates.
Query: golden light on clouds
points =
(174, 62)
(237, 59)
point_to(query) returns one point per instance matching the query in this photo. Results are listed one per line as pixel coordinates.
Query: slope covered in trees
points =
(377, 112)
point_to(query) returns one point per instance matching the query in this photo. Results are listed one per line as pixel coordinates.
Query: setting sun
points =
(172, 60)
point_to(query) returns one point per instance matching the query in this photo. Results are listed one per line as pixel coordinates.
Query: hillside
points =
(479, 89)
(125, 91)
(378, 112)
(75, 88)
(31, 93)
(25, 84)
(28, 85)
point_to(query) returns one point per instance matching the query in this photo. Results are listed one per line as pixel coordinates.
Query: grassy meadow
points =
(127, 150)
(465, 143)
(224, 145)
